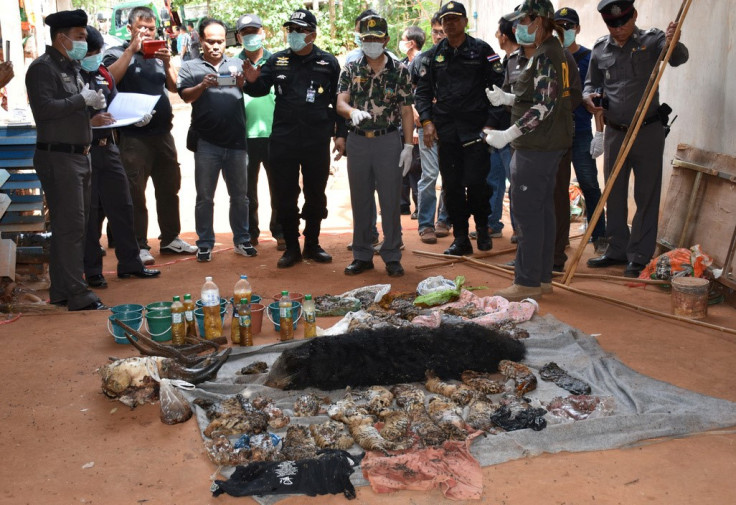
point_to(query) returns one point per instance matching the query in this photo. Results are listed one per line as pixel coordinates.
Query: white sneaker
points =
(178, 246)
(245, 249)
(146, 257)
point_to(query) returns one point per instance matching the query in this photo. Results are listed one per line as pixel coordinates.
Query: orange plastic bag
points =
(677, 263)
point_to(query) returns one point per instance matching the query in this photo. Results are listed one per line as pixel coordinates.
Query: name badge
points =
(311, 93)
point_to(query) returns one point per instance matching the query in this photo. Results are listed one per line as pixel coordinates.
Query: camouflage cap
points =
(373, 26)
(541, 8)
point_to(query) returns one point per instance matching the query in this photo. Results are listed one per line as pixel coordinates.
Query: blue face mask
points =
(523, 36)
(569, 37)
(296, 41)
(78, 50)
(92, 63)
(252, 42)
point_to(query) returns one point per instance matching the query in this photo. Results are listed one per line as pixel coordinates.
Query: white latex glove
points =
(405, 159)
(500, 138)
(596, 145)
(499, 96)
(146, 119)
(356, 116)
(94, 99)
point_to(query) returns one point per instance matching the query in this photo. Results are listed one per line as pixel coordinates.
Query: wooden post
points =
(628, 142)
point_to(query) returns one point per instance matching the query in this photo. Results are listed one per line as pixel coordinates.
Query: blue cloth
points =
(500, 170)
(586, 172)
(581, 115)
(209, 160)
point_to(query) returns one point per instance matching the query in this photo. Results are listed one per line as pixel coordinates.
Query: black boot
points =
(315, 253)
(460, 247)
(291, 257)
(484, 240)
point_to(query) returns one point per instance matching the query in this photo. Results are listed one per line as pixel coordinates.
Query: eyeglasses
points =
(298, 29)
(566, 25)
(438, 32)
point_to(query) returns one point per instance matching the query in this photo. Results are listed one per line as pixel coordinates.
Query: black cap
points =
(373, 26)
(616, 12)
(453, 9)
(67, 19)
(567, 14)
(303, 17)
(248, 21)
(94, 39)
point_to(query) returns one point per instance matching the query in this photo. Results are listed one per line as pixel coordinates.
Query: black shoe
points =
(484, 242)
(514, 239)
(358, 267)
(405, 211)
(414, 215)
(394, 269)
(511, 263)
(633, 270)
(146, 273)
(315, 253)
(103, 251)
(59, 303)
(460, 247)
(604, 261)
(98, 305)
(558, 268)
(96, 281)
(290, 258)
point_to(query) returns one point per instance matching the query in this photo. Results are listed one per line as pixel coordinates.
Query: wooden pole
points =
(629, 139)
(451, 260)
(603, 277)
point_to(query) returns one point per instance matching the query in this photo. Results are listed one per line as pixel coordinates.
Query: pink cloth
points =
(498, 310)
(450, 467)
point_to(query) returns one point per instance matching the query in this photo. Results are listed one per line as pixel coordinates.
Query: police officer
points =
(304, 120)
(59, 101)
(459, 68)
(620, 65)
(110, 195)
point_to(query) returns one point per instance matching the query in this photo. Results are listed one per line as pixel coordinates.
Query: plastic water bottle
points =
(246, 332)
(310, 317)
(286, 330)
(178, 323)
(189, 316)
(241, 291)
(211, 309)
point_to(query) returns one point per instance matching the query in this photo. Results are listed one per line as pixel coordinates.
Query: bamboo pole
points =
(451, 260)
(603, 277)
(631, 134)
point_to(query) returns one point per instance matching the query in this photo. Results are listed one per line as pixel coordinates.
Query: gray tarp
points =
(644, 408)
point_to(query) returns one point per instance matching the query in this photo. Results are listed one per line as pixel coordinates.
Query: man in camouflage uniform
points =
(621, 64)
(375, 93)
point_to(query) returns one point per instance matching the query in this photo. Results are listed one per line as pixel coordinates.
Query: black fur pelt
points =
(392, 356)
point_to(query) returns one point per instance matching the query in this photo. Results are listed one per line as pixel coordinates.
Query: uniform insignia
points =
(450, 6)
(422, 72)
(320, 90)
(498, 67)
(440, 58)
(372, 23)
(282, 61)
(616, 11)
(493, 57)
(281, 76)
(65, 77)
(323, 62)
(564, 11)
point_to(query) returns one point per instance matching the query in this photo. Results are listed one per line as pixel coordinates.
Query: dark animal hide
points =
(392, 356)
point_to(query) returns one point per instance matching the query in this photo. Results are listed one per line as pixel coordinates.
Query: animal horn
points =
(173, 370)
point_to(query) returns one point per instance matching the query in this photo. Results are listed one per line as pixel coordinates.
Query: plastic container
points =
(199, 317)
(211, 307)
(245, 323)
(158, 306)
(132, 319)
(274, 316)
(294, 296)
(241, 291)
(310, 317)
(286, 330)
(178, 323)
(189, 316)
(158, 324)
(690, 297)
(127, 307)
(256, 317)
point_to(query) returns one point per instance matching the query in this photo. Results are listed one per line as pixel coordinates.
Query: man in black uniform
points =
(304, 120)
(59, 101)
(459, 68)
(110, 195)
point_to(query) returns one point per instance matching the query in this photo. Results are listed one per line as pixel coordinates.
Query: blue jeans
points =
(209, 160)
(500, 170)
(427, 186)
(586, 173)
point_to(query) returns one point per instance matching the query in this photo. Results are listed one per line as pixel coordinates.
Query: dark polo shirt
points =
(218, 115)
(146, 76)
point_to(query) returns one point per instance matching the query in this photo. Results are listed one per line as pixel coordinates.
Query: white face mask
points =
(404, 46)
(373, 49)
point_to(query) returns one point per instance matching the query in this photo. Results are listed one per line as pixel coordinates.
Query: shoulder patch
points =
(498, 67)
(600, 40)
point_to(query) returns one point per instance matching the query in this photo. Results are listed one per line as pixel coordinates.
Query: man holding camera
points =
(213, 84)
(148, 151)
(620, 65)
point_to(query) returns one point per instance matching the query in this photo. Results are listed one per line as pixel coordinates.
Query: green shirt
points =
(259, 111)
(382, 94)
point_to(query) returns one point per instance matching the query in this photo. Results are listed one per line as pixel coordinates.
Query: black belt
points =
(623, 127)
(374, 133)
(63, 148)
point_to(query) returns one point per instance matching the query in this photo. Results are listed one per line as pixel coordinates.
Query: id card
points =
(310, 95)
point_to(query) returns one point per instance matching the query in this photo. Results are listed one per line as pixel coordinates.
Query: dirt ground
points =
(65, 442)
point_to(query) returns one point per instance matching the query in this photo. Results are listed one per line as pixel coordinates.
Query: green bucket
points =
(158, 323)
(199, 316)
(127, 307)
(274, 314)
(132, 319)
(151, 307)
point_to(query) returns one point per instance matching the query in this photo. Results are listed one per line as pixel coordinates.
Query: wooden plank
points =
(31, 254)
(7, 258)
(705, 170)
(18, 228)
(25, 206)
(17, 219)
(21, 185)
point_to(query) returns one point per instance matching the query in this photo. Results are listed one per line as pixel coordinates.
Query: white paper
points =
(129, 108)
